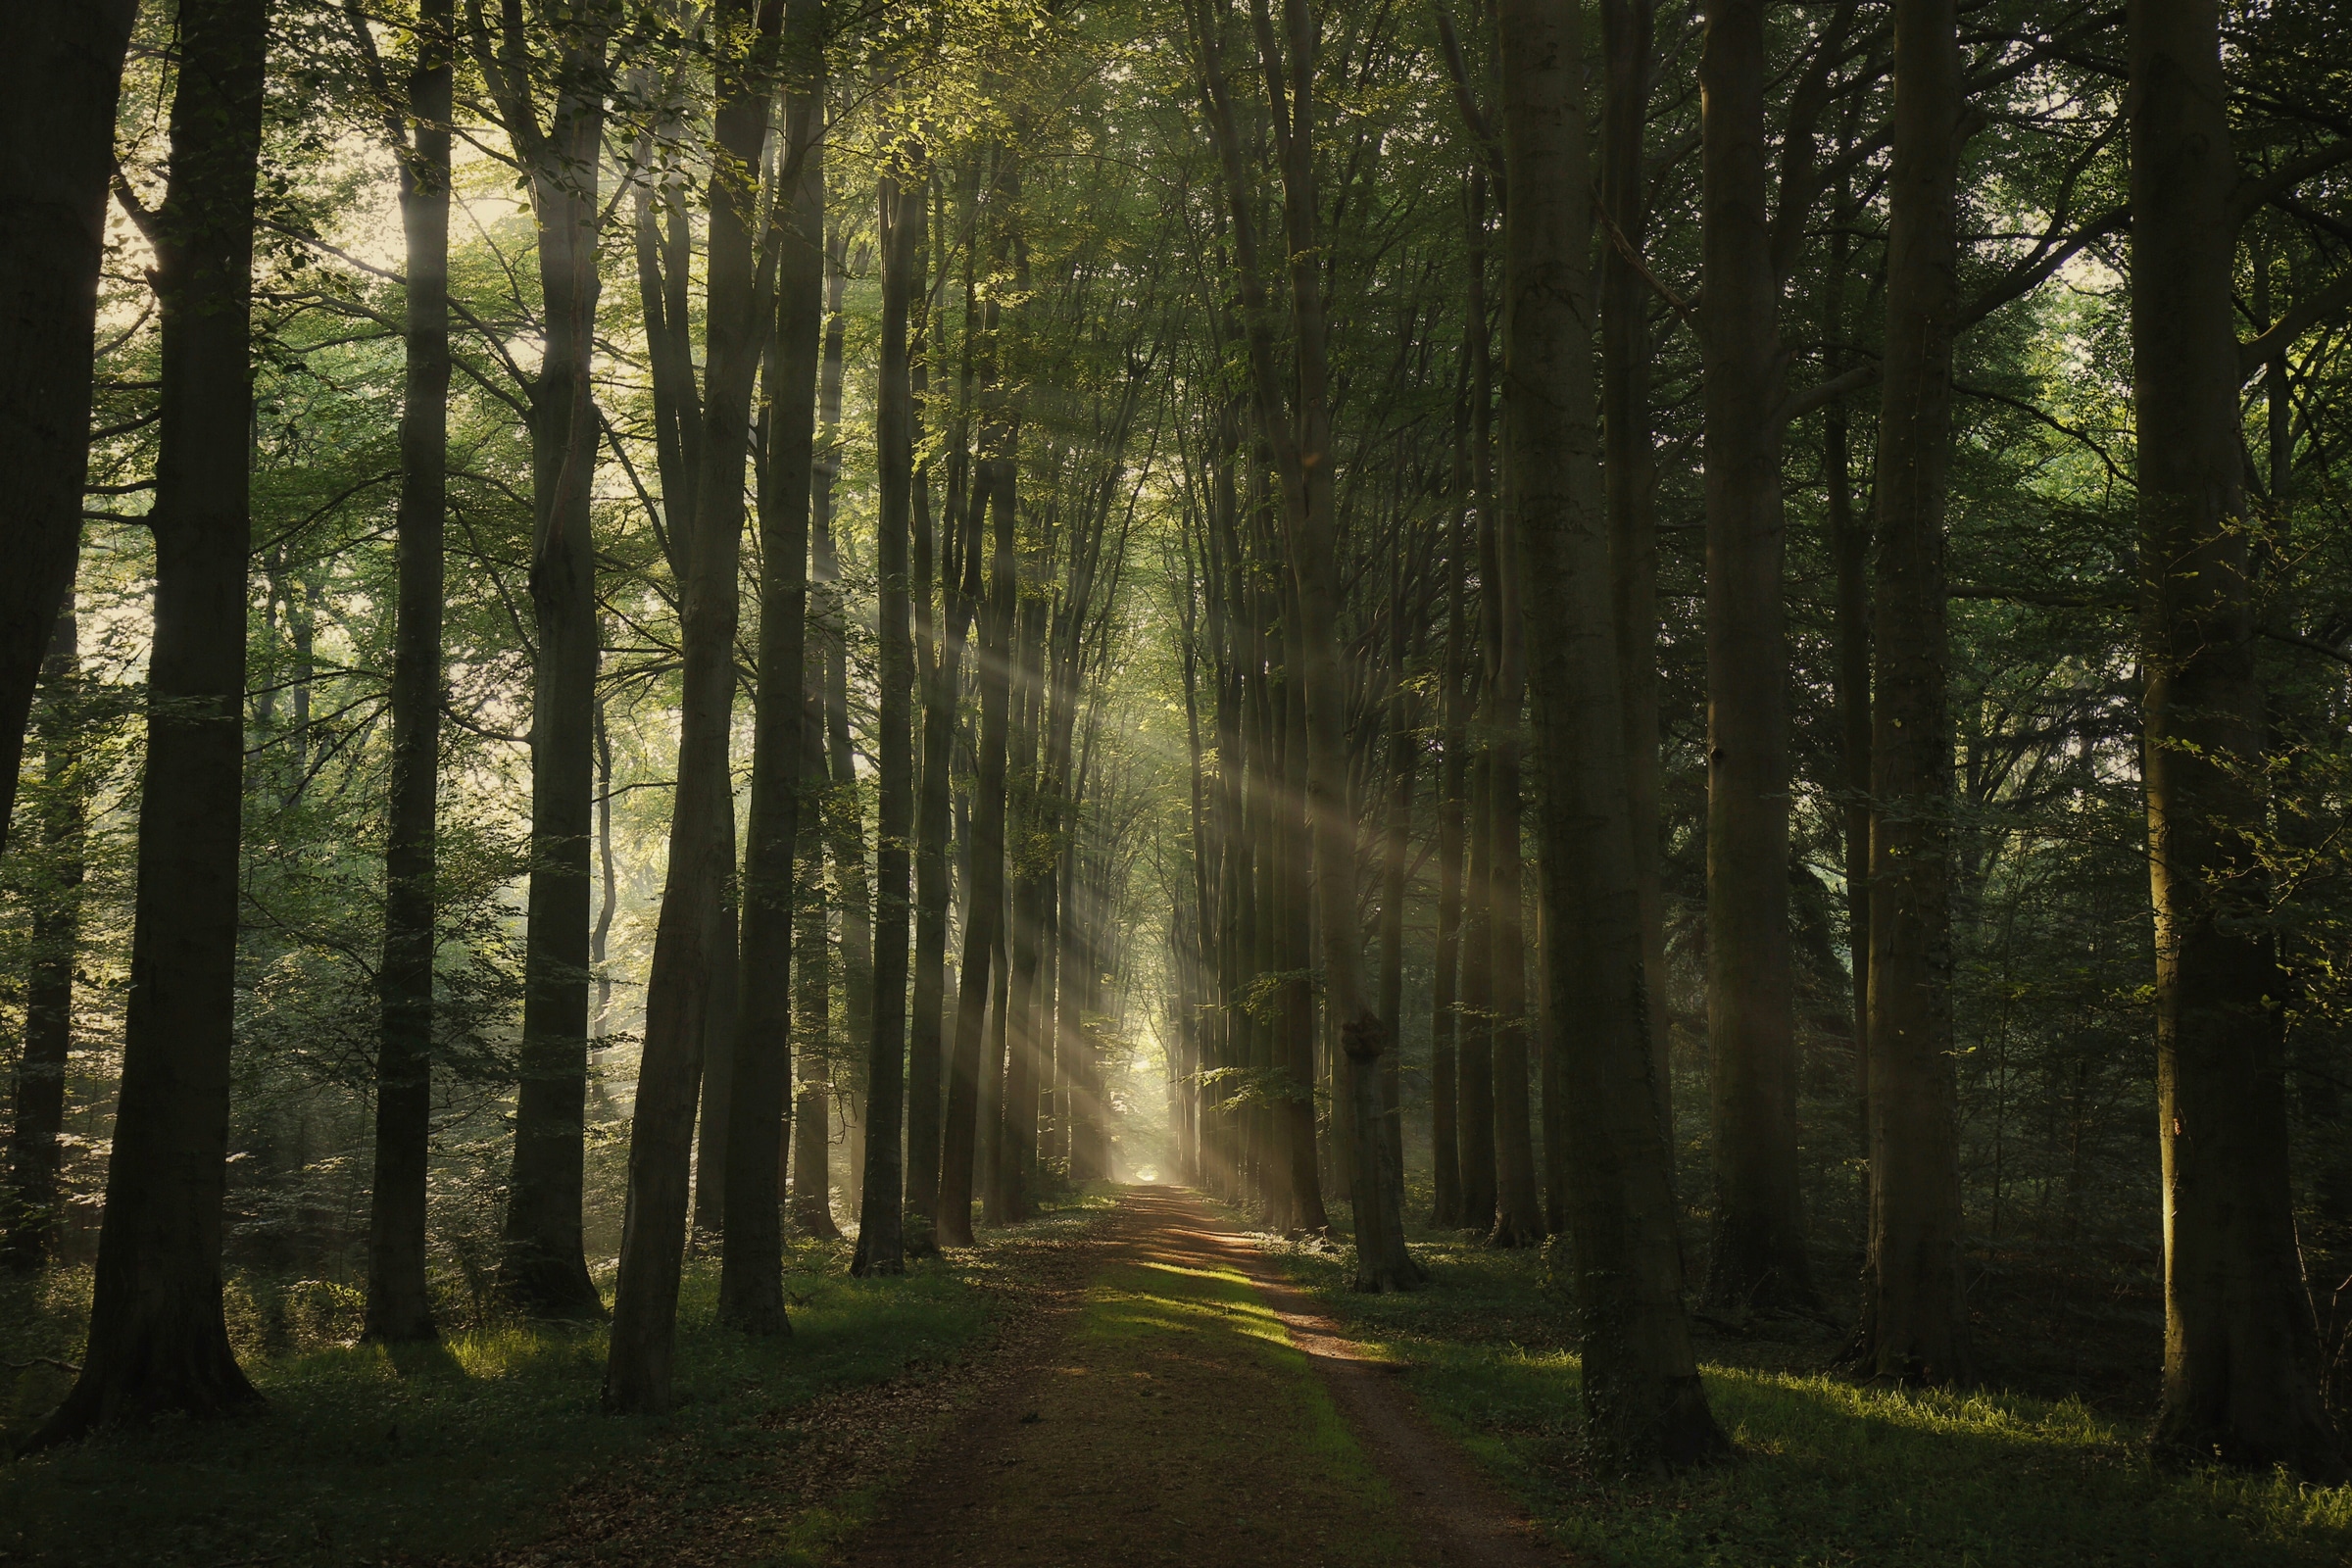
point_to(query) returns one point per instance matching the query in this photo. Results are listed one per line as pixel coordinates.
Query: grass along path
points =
(491, 1448)
(1829, 1473)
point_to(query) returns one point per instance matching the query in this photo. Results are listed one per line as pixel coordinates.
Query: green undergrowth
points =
(1828, 1472)
(367, 1454)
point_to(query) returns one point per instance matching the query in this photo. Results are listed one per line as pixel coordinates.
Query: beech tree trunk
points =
(543, 1267)
(813, 991)
(881, 1239)
(34, 1204)
(2239, 1346)
(1758, 1254)
(992, 499)
(845, 807)
(693, 935)
(1475, 1066)
(1445, 1018)
(1644, 1403)
(1294, 1116)
(1850, 548)
(751, 1284)
(61, 76)
(1396, 817)
(1630, 472)
(1012, 1166)
(1518, 1203)
(938, 579)
(1914, 1308)
(157, 1338)
(719, 1043)
(399, 1297)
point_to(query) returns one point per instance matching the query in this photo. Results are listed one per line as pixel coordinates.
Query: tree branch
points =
(2253, 356)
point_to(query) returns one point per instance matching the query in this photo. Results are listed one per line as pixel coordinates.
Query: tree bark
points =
(543, 1267)
(1010, 1194)
(1445, 1018)
(1643, 1403)
(1758, 1253)
(1518, 1206)
(717, 1091)
(991, 499)
(61, 76)
(1629, 467)
(1299, 1187)
(2239, 1353)
(845, 808)
(1914, 1309)
(157, 1338)
(34, 1204)
(691, 939)
(1396, 814)
(751, 1284)
(881, 1238)
(937, 575)
(1475, 1068)
(399, 1296)
(1850, 548)
(812, 990)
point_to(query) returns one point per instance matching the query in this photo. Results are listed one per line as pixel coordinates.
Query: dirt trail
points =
(1197, 1410)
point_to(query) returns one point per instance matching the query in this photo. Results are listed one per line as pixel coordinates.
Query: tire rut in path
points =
(1192, 1416)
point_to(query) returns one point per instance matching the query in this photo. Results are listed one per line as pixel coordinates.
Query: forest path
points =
(1199, 1411)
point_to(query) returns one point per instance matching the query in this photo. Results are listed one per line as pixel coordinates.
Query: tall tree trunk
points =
(1444, 1016)
(1266, 924)
(1628, 468)
(61, 76)
(1518, 1207)
(399, 1299)
(1475, 1065)
(938, 575)
(543, 1267)
(1643, 1403)
(813, 989)
(1518, 1203)
(991, 499)
(1914, 1310)
(157, 1340)
(692, 938)
(609, 873)
(2239, 1346)
(1300, 1189)
(1397, 817)
(844, 806)
(1029, 865)
(1850, 548)
(881, 1241)
(710, 1126)
(1758, 1253)
(34, 1201)
(751, 1284)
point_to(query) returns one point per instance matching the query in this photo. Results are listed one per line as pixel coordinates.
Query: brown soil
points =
(1199, 1413)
